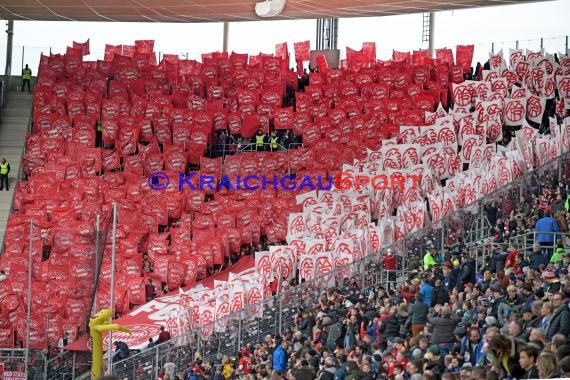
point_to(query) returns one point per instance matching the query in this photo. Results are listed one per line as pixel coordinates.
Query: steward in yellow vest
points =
(259, 140)
(26, 77)
(4, 170)
(274, 142)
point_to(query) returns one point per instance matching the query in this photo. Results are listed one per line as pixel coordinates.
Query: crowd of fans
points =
(450, 318)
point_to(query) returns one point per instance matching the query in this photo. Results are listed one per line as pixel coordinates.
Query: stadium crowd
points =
(443, 321)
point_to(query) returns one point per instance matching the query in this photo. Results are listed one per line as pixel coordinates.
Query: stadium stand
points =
(102, 128)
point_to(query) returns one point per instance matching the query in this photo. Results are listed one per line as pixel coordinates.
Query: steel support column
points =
(327, 33)
(226, 35)
(10, 32)
(432, 34)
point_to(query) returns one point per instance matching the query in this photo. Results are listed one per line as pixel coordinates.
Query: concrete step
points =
(13, 130)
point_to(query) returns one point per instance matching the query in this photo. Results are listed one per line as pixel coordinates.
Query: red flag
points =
(144, 46)
(83, 46)
(250, 126)
(445, 56)
(302, 51)
(369, 48)
(464, 56)
(398, 56)
(322, 64)
(281, 50)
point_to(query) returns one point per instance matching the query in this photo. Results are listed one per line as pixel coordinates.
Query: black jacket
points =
(390, 327)
(439, 296)
(468, 273)
(442, 329)
(559, 322)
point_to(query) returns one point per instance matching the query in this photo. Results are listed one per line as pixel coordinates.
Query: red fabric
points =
(389, 262)
(464, 56)
(302, 51)
(83, 46)
(281, 51)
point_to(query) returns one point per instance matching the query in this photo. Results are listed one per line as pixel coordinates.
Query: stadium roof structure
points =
(221, 10)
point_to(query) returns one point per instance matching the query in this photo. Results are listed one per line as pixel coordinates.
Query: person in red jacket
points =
(245, 361)
(511, 260)
(164, 336)
(389, 263)
(389, 260)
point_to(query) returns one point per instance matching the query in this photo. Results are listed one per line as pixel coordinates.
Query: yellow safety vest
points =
(259, 140)
(26, 74)
(4, 168)
(274, 144)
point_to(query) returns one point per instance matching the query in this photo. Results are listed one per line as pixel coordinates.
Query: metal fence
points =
(272, 316)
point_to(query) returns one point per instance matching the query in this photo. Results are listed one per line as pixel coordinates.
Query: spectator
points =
(3, 276)
(471, 348)
(353, 373)
(418, 315)
(429, 260)
(63, 341)
(547, 367)
(537, 258)
(504, 353)
(280, 357)
(163, 336)
(426, 290)
(390, 327)
(305, 372)
(546, 227)
(442, 329)
(170, 369)
(565, 367)
(559, 323)
(527, 360)
(150, 290)
(121, 351)
(440, 296)
(559, 253)
(328, 371)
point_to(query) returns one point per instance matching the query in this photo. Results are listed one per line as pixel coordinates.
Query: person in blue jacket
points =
(280, 357)
(545, 232)
(426, 290)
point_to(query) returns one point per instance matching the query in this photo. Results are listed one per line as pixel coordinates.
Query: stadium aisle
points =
(13, 131)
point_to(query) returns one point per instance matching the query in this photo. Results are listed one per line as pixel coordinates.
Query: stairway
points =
(13, 129)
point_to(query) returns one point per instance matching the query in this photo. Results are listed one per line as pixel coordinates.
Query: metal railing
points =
(526, 243)
(3, 86)
(272, 316)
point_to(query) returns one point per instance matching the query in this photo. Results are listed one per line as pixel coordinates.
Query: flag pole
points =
(112, 303)
(29, 301)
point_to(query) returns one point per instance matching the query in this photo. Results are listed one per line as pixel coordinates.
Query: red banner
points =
(302, 51)
(464, 56)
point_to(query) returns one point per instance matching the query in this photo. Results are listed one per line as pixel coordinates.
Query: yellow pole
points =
(98, 324)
